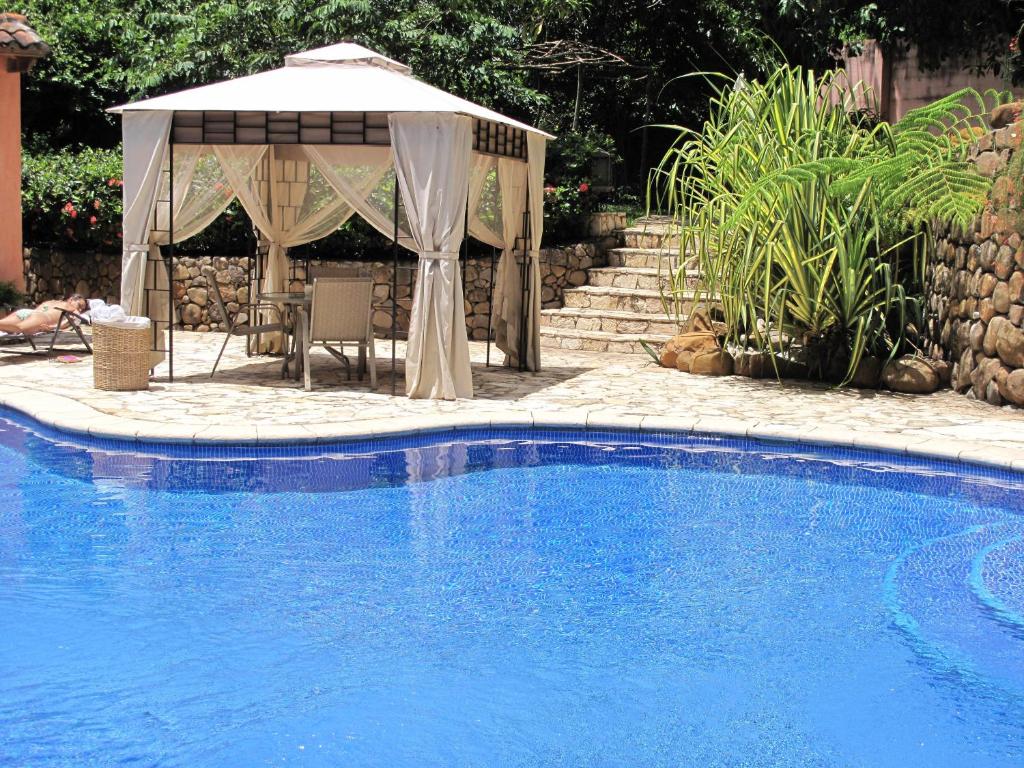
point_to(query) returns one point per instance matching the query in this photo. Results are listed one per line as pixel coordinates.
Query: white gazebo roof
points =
(337, 78)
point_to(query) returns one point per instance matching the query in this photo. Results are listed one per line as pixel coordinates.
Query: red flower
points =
(74, 214)
(584, 187)
(1014, 43)
(92, 219)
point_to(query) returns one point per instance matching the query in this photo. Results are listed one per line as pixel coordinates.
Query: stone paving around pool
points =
(249, 401)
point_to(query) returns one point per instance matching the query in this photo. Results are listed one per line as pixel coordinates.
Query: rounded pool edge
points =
(73, 418)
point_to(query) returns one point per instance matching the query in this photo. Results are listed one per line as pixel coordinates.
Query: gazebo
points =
(339, 131)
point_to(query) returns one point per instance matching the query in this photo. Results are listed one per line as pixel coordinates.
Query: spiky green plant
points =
(799, 211)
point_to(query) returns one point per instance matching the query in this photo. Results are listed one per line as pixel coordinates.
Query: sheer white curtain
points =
(484, 202)
(432, 163)
(364, 177)
(289, 200)
(535, 146)
(508, 296)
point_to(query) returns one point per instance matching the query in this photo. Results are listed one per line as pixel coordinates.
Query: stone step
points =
(608, 321)
(598, 341)
(644, 278)
(647, 258)
(621, 299)
(652, 232)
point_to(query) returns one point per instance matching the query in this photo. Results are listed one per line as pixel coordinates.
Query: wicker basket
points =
(121, 357)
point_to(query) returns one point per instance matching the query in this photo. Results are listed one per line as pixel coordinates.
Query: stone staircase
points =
(621, 304)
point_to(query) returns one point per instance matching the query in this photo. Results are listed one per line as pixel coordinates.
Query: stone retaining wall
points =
(975, 287)
(50, 274)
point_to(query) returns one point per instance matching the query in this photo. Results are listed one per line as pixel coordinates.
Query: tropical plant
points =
(800, 212)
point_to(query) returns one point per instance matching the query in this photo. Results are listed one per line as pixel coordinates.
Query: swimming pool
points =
(506, 599)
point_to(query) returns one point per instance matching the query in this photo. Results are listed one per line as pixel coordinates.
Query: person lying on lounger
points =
(44, 317)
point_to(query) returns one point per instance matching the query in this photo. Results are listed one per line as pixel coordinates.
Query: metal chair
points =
(341, 312)
(240, 324)
(324, 270)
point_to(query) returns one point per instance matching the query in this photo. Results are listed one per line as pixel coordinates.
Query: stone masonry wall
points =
(51, 274)
(975, 287)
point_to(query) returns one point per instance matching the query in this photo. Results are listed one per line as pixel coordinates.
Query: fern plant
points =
(800, 210)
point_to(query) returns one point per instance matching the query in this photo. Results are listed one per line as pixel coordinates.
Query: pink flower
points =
(584, 187)
(549, 189)
(96, 204)
(92, 219)
(68, 207)
(111, 182)
(74, 214)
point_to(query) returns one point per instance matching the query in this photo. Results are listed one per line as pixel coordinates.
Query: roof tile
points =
(18, 38)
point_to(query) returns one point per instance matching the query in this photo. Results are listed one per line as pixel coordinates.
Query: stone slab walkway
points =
(248, 401)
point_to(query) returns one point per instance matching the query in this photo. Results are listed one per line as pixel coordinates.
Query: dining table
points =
(292, 301)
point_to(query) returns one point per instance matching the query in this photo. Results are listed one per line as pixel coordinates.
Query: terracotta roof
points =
(17, 38)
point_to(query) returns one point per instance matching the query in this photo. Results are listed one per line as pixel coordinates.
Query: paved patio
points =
(249, 401)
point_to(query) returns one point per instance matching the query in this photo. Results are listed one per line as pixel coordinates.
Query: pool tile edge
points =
(71, 416)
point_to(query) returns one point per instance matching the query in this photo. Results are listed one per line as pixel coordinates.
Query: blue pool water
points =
(506, 599)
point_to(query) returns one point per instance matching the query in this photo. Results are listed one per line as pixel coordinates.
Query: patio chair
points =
(340, 313)
(331, 271)
(240, 324)
(50, 339)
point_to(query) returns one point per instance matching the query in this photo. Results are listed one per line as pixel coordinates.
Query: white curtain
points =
(364, 177)
(484, 202)
(432, 163)
(145, 137)
(290, 202)
(535, 147)
(508, 296)
(201, 193)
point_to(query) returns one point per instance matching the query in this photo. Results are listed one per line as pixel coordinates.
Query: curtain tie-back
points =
(446, 255)
(137, 247)
(535, 254)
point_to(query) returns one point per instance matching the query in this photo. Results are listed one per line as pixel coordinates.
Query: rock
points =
(198, 296)
(977, 335)
(1012, 387)
(191, 314)
(990, 163)
(753, 364)
(944, 369)
(1010, 345)
(992, 395)
(1016, 314)
(910, 374)
(1005, 114)
(687, 345)
(1004, 265)
(868, 373)
(986, 310)
(1015, 287)
(715, 362)
(986, 285)
(1001, 298)
(988, 345)
(962, 381)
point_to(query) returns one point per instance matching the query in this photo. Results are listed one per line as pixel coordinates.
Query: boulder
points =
(1010, 345)
(1012, 387)
(944, 369)
(1001, 298)
(1005, 114)
(910, 374)
(716, 362)
(756, 365)
(868, 373)
(991, 334)
(686, 345)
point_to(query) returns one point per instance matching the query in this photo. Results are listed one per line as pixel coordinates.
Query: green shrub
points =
(801, 213)
(73, 199)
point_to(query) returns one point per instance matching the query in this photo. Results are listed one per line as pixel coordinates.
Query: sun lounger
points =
(49, 341)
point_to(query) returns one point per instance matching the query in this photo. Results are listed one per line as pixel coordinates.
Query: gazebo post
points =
(524, 276)
(490, 305)
(394, 295)
(170, 264)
